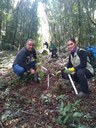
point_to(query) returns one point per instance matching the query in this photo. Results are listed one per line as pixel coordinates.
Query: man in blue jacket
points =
(26, 60)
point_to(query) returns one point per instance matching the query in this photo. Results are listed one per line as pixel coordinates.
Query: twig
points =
(43, 68)
(28, 113)
(48, 81)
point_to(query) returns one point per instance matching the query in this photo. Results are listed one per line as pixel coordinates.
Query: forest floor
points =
(27, 104)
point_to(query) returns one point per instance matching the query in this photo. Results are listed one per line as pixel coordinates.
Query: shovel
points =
(73, 85)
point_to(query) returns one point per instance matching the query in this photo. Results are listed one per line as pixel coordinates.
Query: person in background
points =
(53, 50)
(26, 60)
(78, 66)
(46, 44)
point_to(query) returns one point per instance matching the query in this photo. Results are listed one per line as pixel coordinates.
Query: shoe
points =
(82, 94)
(36, 80)
(35, 77)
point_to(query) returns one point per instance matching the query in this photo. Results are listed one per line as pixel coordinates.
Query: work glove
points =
(69, 70)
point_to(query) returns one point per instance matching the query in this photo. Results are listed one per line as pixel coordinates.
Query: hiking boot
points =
(82, 94)
(36, 78)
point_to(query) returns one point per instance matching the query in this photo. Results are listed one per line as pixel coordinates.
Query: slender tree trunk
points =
(0, 27)
(20, 41)
(16, 26)
(79, 22)
(88, 15)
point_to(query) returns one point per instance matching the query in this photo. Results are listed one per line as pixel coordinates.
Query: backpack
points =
(91, 52)
(90, 58)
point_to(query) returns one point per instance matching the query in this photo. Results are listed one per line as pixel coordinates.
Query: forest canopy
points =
(66, 18)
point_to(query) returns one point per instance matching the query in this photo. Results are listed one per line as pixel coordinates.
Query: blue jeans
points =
(19, 70)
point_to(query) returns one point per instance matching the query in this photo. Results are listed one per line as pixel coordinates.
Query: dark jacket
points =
(52, 47)
(79, 60)
(24, 57)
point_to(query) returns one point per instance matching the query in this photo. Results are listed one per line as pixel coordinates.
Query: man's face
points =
(71, 45)
(30, 45)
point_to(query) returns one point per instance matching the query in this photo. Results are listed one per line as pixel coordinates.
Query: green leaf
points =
(77, 114)
(67, 118)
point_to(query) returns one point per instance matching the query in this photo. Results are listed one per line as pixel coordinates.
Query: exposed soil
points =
(35, 113)
(33, 105)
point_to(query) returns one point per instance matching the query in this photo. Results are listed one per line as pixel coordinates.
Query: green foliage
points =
(39, 64)
(6, 116)
(61, 98)
(2, 84)
(79, 126)
(66, 19)
(46, 99)
(69, 113)
(45, 52)
(41, 75)
(7, 46)
(18, 24)
(71, 18)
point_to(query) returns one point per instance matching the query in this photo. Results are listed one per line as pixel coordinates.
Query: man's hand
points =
(69, 70)
(32, 71)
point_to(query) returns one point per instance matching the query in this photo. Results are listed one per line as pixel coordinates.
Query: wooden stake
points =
(48, 81)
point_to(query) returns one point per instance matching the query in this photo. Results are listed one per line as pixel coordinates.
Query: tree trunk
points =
(79, 23)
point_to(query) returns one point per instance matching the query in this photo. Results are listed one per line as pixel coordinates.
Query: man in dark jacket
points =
(26, 59)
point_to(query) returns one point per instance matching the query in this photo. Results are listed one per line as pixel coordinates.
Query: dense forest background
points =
(66, 18)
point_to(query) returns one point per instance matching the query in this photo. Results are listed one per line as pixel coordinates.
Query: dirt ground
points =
(27, 104)
(30, 110)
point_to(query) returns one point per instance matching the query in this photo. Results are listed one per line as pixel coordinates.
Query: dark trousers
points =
(81, 77)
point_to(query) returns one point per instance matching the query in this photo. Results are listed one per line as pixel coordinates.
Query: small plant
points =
(30, 102)
(69, 113)
(41, 75)
(78, 126)
(61, 98)
(46, 99)
(2, 86)
(6, 115)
